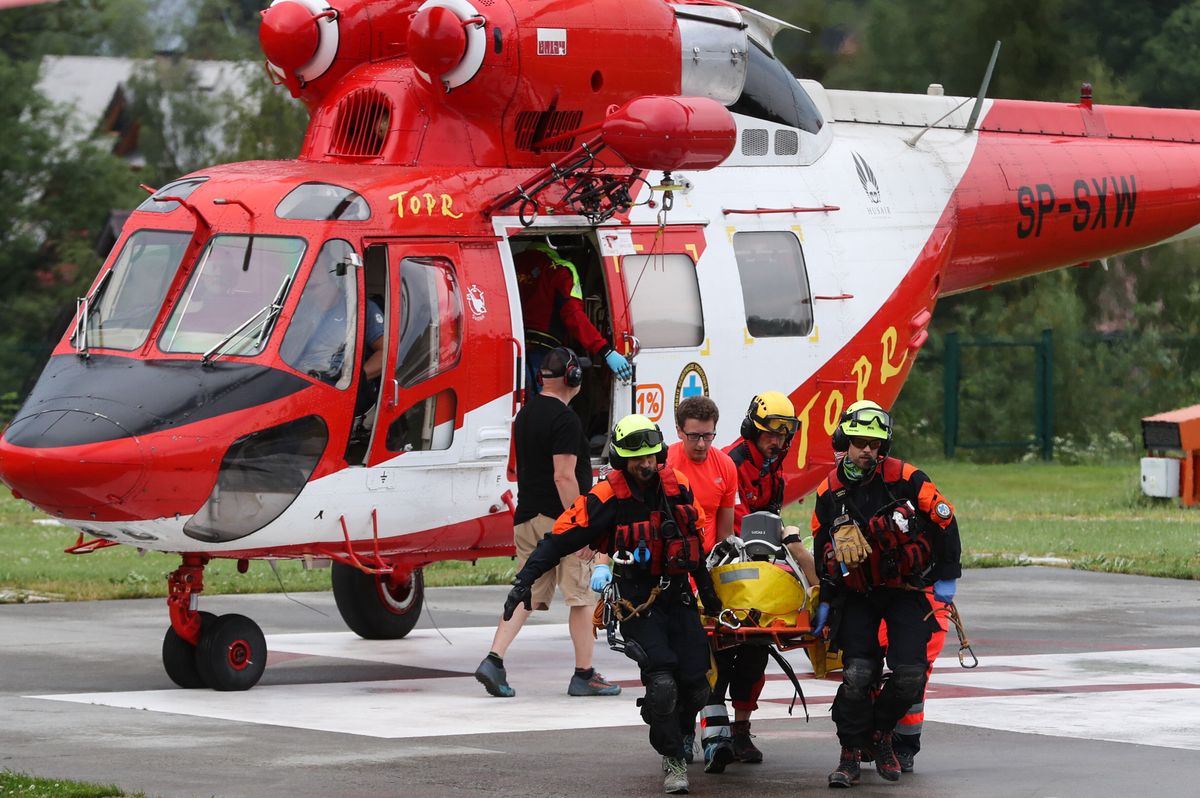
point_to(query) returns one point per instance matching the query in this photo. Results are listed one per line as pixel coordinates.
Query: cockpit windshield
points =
(229, 300)
(771, 93)
(124, 304)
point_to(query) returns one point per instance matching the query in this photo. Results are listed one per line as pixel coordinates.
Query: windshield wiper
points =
(84, 307)
(272, 309)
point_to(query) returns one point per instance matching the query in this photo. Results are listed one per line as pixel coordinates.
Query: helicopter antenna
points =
(987, 78)
(983, 87)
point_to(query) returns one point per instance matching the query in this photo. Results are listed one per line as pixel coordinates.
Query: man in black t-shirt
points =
(553, 469)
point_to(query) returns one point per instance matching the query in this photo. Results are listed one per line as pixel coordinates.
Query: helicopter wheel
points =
(232, 653)
(374, 607)
(179, 656)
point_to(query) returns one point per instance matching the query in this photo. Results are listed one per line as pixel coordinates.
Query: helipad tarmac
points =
(1088, 685)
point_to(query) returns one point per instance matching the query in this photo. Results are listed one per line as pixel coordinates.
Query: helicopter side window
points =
(773, 94)
(431, 324)
(234, 295)
(659, 324)
(323, 327)
(132, 293)
(427, 426)
(774, 284)
(178, 188)
(323, 202)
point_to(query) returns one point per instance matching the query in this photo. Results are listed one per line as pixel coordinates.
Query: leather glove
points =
(520, 594)
(850, 547)
(822, 618)
(619, 365)
(944, 590)
(601, 576)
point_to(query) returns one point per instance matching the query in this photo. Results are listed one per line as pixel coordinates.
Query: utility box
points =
(1160, 477)
(1173, 441)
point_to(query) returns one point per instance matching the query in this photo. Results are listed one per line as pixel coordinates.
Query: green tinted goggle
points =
(868, 418)
(640, 439)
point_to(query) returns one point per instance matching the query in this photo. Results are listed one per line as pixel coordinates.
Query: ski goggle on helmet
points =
(636, 436)
(866, 419)
(771, 411)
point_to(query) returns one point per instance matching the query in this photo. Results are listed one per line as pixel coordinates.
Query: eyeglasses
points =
(696, 437)
(780, 425)
(866, 443)
(640, 439)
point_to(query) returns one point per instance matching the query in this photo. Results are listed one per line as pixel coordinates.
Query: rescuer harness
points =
(898, 555)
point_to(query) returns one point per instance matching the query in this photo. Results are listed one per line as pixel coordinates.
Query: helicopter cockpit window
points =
(179, 188)
(658, 324)
(773, 94)
(774, 284)
(234, 296)
(431, 323)
(126, 301)
(322, 329)
(323, 202)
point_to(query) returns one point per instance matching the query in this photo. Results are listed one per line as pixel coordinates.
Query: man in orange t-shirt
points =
(709, 470)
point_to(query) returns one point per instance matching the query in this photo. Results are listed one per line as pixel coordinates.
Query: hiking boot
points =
(847, 772)
(905, 758)
(494, 679)
(886, 764)
(675, 782)
(596, 685)
(717, 755)
(689, 748)
(744, 748)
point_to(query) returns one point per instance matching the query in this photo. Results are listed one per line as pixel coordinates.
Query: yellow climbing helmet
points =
(770, 411)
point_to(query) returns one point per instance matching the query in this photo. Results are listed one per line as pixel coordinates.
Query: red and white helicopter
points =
(735, 230)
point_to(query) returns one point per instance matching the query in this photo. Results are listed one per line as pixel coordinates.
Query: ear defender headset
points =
(562, 362)
(863, 416)
(635, 436)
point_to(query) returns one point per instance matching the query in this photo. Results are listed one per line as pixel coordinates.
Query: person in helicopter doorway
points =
(552, 304)
(767, 431)
(646, 517)
(882, 533)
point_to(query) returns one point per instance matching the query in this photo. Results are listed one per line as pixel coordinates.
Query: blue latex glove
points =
(601, 576)
(822, 618)
(943, 590)
(619, 365)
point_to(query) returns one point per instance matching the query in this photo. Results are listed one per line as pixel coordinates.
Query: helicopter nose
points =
(69, 479)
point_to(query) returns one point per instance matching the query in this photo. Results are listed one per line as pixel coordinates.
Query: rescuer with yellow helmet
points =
(883, 533)
(646, 518)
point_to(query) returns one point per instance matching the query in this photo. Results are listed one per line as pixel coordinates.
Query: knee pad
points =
(908, 681)
(859, 676)
(662, 694)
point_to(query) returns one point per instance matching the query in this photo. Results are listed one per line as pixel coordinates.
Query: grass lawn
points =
(1093, 516)
(19, 785)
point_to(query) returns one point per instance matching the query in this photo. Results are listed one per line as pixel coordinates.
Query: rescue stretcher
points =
(767, 599)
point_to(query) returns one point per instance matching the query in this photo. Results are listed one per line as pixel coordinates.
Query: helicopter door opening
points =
(549, 267)
(368, 389)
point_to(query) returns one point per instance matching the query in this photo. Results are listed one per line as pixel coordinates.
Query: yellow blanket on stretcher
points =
(775, 593)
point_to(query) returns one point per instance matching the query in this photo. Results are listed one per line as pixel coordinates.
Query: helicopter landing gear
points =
(200, 649)
(378, 606)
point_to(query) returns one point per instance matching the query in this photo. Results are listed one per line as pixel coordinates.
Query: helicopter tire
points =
(179, 656)
(232, 653)
(374, 609)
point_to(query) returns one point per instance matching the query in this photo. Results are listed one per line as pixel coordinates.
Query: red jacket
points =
(760, 485)
(552, 301)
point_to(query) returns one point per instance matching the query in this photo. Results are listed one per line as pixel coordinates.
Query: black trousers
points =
(674, 669)
(858, 711)
(740, 671)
